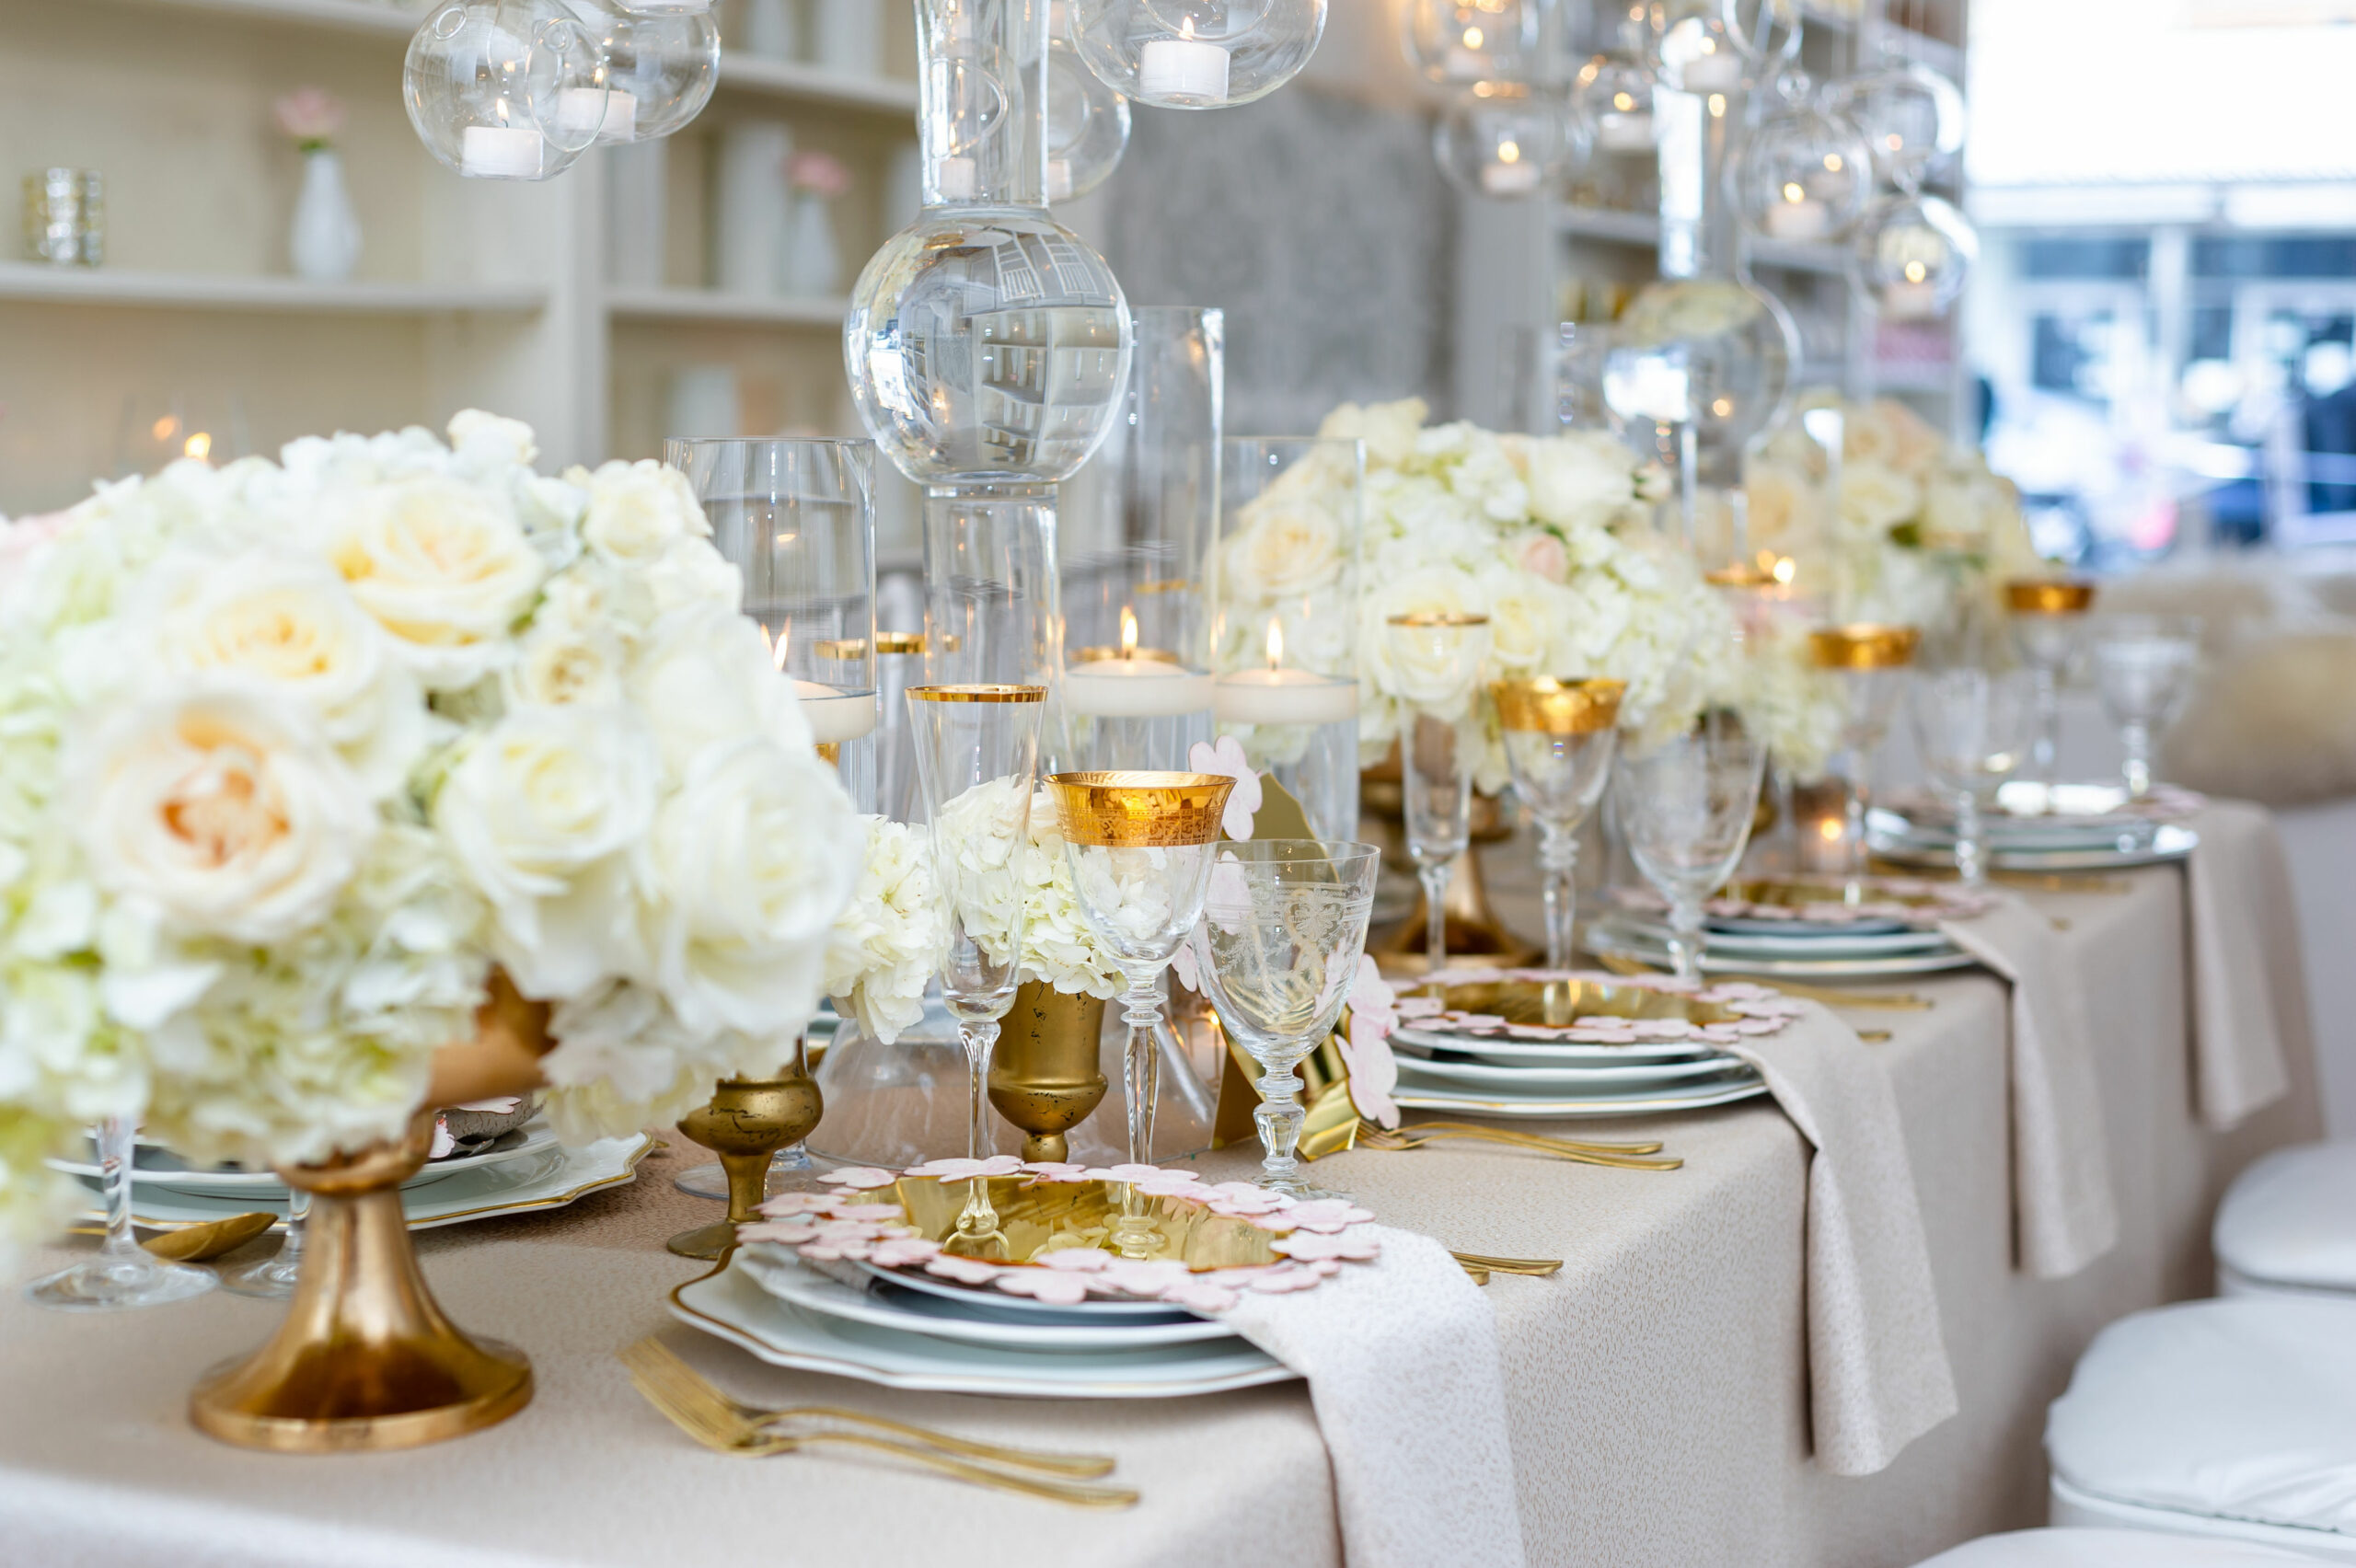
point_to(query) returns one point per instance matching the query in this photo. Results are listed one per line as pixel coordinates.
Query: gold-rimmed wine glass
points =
(1867, 662)
(977, 755)
(1559, 739)
(2049, 616)
(1436, 659)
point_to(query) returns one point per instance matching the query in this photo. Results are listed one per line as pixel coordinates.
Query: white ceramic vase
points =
(324, 243)
(811, 264)
(750, 223)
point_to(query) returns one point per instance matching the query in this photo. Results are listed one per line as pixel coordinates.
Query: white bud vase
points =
(810, 266)
(325, 244)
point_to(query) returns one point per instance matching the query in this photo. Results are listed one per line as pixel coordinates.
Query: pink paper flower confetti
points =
(789, 1203)
(1171, 1184)
(1057, 1170)
(862, 1177)
(1074, 1260)
(785, 1232)
(1226, 758)
(903, 1252)
(1357, 1245)
(868, 1212)
(1328, 1215)
(1124, 1173)
(964, 1271)
(1044, 1285)
(1200, 1295)
(968, 1169)
(1139, 1276)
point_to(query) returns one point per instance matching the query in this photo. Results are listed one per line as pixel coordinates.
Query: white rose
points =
(692, 572)
(476, 436)
(1889, 433)
(444, 567)
(1291, 543)
(702, 678)
(1389, 430)
(1874, 499)
(1787, 512)
(558, 665)
(541, 814)
(225, 806)
(637, 512)
(1432, 670)
(1524, 611)
(886, 944)
(1578, 482)
(750, 862)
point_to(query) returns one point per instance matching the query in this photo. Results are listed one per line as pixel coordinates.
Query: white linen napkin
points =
(2244, 931)
(1877, 1360)
(1401, 1361)
(2064, 1211)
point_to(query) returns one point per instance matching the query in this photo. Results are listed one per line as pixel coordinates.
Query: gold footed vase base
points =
(365, 1361)
(747, 1123)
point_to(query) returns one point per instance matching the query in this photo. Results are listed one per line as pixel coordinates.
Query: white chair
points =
(2288, 1225)
(2233, 1420)
(2110, 1548)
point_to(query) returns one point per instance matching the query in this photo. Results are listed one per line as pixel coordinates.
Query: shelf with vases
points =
(275, 293)
(710, 304)
(792, 78)
(1607, 223)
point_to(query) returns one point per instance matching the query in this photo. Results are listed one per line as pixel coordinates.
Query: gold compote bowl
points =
(746, 1122)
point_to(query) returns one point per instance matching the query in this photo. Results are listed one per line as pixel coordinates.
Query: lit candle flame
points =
(199, 446)
(777, 649)
(1275, 645)
(1129, 632)
(1784, 569)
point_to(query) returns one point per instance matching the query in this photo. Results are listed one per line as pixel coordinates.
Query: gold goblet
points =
(1043, 1076)
(746, 1122)
(1869, 662)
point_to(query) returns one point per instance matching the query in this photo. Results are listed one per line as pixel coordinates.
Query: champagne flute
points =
(1436, 658)
(1559, 738)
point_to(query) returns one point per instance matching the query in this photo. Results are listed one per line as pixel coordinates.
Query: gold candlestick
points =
(1044, 1077)
(746, 1122)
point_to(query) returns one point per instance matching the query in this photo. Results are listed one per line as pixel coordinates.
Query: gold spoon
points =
(198, 1243)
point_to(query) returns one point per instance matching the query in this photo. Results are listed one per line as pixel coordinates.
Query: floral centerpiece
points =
(1553, 540)
(294, 754)
(1917, 530)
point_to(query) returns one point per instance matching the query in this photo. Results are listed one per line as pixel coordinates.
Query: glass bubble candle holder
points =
(505, 90)
(1197, 53)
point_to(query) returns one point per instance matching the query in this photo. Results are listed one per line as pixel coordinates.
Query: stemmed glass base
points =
(1280, 1116)
(274, 1278)
(978, 1230)
(790, 1170)
(123, 1274)
(1558, 864)
(1435, 879)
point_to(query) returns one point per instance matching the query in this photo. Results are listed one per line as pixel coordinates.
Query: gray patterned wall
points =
(1320, 224)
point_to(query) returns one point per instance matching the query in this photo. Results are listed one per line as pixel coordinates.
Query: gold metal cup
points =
(1544, 706)
(1043, 1073)
(1863, 646)
(1141, 811)
(365, 1361)
(746, 1122)
(2048, 596)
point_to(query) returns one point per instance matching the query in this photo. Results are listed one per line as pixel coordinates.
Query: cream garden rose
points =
(638, 511)
(442, 566)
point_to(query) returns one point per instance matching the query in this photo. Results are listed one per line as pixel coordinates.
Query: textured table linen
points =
(2066, 1212)
(1396, 1354)
(2245, 924)
(1656, 1391)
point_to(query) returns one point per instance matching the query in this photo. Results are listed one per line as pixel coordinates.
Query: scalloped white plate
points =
(538, 1139)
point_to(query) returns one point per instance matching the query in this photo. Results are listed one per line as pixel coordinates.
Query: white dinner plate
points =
(1607, 939)
(1105, 1309)
(881, 1302)
(552, 1178)
(732, 1306)
(170, 1173)
(1575, 1079)
(1796, 941)
(1471, 1103)
(1565, 1053)
(1893, 840)
(1758, 926)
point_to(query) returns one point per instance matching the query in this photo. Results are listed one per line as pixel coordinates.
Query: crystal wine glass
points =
(272, 1279)
(1435, 661)
(1974, 726)
(1559, 738)
(1686, 805)
(2048, 625)
(1140, 846)
(1868, 663)
(124, 1273)
(977, 751)
(1283, 926)
(2143, 668)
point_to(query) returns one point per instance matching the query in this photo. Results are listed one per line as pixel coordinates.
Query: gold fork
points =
(1533, 1268)
(713, 1418)
(1372, 1136)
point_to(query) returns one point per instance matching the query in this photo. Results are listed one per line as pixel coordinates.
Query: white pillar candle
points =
(836, 715)
(1517, 178)
(1625, 131)
(1805, 219)
(1182, 68)
(1133, 688)
(1284, 696)
(1910, 302)
(613, 115)
(501, 151)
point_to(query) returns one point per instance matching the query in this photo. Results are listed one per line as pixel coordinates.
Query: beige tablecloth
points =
(1656, 1389)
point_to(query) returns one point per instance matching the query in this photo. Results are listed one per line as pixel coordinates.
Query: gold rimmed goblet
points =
(977, 755)
(1868, 663)
(2049, 616)
(1559, 737)
(1436, 658)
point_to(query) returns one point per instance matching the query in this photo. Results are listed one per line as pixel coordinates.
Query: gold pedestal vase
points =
(746, 1122)
(365, 1360)
(1044, 1075)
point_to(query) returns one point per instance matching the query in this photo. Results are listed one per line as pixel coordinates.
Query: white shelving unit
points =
(1524, 265)
(469, 292)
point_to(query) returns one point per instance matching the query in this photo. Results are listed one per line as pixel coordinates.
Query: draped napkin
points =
(1401, 1361)
(2064, 1210)
(2245, 932)
(1877, 1364)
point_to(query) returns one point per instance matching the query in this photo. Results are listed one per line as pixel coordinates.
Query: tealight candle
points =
(613, 115)
(1625, 132)
(958, 179)
(1133, 688)
(1284, 696)
(1805, 219)
(501, 151)
(1910, 301)
(1517, 178)
(1182, 68)
(836, 715)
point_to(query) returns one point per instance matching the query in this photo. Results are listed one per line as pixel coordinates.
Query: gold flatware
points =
(1384, 1138)
(1874, 1036)
(1435, 1129)
(1474, 1272)
(701, 1410)
(1531, 1268)
(197, 1243)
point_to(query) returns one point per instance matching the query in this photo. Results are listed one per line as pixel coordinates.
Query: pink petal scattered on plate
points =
(1074, 1260)
(1043, 1284)
(862, 1177)
(964, 1271)
(903, 1252)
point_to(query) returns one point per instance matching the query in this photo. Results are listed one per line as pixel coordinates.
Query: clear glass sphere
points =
(987, 346)
(1911, 117)
(1714, 353)
(1694, 47)
(1504, 140)
(1615, 100)
(1472, 40)
(661, 65)
(1087, 123)
(504, 90)
(1912, 254)
(1197, 53)
(1804, 174)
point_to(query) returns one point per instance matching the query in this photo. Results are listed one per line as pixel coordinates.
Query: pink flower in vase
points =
(309, 117)
(821, 174)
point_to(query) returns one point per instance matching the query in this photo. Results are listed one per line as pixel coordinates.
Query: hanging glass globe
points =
(1694, 49)
(1506, 141)
(1197, 53)
(1912, 256)
(661, 65)
(1911, 117)
(1087, 123)
(1804, 175)
(1711, 354)
(504, 90)
(1472, 40)
(1613, 99)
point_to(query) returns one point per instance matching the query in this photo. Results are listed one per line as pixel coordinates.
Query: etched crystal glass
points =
(1685, 806)
(1973, 726)
(2144, 667)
